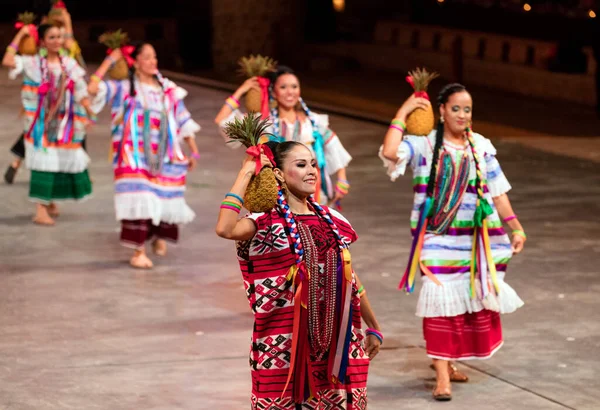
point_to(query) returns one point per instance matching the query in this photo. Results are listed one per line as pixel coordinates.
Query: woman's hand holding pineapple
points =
(115, 55)
(412, 103)
(249, 84)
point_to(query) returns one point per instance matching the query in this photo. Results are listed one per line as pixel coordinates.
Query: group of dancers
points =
(309, 349)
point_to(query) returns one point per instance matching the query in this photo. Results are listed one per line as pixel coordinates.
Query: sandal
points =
(442, 396)
(456, 375)
(9, 175)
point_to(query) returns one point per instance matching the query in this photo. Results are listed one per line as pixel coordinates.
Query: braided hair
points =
(280, 151)
(443, 97)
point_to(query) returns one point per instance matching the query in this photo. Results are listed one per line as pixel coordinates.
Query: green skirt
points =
(46, 187)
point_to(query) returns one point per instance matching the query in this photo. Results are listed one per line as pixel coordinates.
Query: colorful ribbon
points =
(255, 151)
(175, 150)
(264, 83)
(66, 129)
(33, 31)
(37, 128)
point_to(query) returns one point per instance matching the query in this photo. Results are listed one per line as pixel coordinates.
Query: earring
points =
(442, 120)
(43, 52)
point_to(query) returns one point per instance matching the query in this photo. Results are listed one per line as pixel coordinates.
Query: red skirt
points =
(135, 233)
(469, 336)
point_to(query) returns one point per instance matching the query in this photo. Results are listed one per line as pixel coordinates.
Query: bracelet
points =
(397, 128)
(399, 123)
(68, 35)
(342, 186)
(375, 333)
(195, 155)
(95, 77)
(231, 206)
(111, 59)
(232, 103)
(12, 49)
(510, 218)
(520, 233)
(236, 196)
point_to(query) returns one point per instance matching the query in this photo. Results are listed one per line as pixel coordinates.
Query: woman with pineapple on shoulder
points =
(150, 123)
(62, 19)
(459, 243)
(55, 103)
(308, 350)
(292, 120)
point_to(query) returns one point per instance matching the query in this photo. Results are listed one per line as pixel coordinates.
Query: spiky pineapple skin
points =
(261, 194)
(120, 71)
(420, 122)
(253, 100)
(27, 46)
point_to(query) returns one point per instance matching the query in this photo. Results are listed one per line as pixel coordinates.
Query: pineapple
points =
(114, 40)
(261, 194)
(56, 11)
(255, 66)
(27, 46)
(420, 121)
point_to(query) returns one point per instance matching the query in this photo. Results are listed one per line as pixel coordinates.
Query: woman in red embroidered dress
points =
(307, 343)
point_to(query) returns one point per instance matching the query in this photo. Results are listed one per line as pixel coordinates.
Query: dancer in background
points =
(459, 243)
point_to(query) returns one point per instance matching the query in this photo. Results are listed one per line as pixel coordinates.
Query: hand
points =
(25, 30)
(116, 54)
(372, 346)
(192, 163)
(249, 84)
(93, 88)
(411, 104)
(518, 242)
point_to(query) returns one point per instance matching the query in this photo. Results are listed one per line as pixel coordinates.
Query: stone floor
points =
(81, 330)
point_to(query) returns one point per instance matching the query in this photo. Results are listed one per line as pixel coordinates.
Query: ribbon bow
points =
(256, 150)
(126, 52)
(59, 5)
(33, 32)
(264, 82)
(418, 94)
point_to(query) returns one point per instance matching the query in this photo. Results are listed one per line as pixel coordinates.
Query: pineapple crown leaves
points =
(421, 78)
(26, 17)
(114, 39)
(256, 66)
(247, 130)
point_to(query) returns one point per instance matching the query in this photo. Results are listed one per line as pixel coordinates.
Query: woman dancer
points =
(149, 124)
(54, 97)
(307, 344)
(18, 148)
(459, 243)
(293, 121)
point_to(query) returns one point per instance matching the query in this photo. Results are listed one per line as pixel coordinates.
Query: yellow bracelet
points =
(95, 78)
(11, 49)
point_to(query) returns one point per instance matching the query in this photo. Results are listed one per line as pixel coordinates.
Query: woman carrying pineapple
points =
(62, 19)
(150, 123)
(308, 350)
(54, 97)
(292, 121)
(459, 243)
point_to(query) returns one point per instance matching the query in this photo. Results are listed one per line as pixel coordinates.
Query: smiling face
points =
(53, 40)
(457, 112)
(145, 61)
(286, 91)
(299, 172)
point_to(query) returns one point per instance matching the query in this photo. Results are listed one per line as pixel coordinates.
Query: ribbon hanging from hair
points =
(482, 261)
(37, 128)
(256, 151)
(264, 83)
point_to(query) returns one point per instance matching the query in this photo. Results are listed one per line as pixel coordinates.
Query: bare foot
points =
(140, 261)
(53, 210)
(42, 217)
(159, 247)
(443, 388)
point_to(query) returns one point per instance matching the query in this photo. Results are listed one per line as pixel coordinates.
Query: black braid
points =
(443, 96)
(439, 140)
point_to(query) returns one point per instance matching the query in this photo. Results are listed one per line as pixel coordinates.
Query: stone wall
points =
(243, 27)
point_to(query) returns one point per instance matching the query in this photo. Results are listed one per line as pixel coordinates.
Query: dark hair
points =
(43, 29)
(138, 46)
(443, 97)
(281, 70)
(281, 150)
